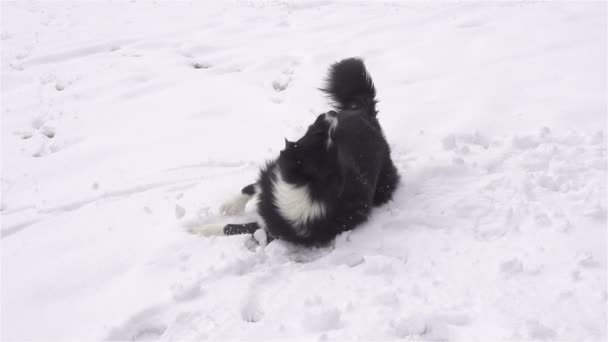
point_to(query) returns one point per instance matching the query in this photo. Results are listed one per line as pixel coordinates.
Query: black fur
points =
(249, 190)
(349, 176)
(247, 228)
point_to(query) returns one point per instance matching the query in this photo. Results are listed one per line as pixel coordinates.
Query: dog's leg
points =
(225, 229)
(245, 228)
(213, 229)
(237, 204)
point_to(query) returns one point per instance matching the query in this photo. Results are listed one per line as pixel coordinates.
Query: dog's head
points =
(312, 157)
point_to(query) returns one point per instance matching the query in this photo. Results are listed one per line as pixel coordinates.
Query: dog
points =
(329, 180)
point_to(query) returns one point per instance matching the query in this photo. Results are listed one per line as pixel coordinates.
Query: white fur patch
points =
(256, 201)
(261, 237)
(208, 230)
(295, 204)
(236, 205)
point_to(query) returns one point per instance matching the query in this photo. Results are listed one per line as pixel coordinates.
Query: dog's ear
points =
(290, 151)
(290, 159)
(289, 144)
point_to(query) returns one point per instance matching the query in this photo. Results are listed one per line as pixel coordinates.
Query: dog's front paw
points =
(208, 230)
(261, 237)
(235, 206)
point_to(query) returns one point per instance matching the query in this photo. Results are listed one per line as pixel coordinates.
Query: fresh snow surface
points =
(124, 124)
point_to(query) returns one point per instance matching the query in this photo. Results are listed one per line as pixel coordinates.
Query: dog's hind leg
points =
(225, 229)
(237, 204)
(387, 182)
(234, 206)
(245, 228)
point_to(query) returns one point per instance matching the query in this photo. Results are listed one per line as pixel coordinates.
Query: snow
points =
(125, 124)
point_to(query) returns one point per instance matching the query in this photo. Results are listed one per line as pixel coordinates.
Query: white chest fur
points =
(295, 204)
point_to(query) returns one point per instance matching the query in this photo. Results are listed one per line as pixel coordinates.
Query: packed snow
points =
(124, 124)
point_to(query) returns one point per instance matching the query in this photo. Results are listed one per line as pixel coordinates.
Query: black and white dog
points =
(328, 181)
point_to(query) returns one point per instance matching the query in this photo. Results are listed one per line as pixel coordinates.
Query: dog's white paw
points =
(235, 206)
(260, 236)
(208, 230)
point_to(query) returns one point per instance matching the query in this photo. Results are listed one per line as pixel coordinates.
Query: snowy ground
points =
(124, 123)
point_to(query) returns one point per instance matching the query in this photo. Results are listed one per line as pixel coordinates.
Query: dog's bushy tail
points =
(349, 86)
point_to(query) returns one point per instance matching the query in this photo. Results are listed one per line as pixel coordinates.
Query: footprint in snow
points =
(433, 327)
(200, 65)
(39, 138)
(281, 83)
(186, 291)
(60, 86)
(145, 325)
(537, 331)
(25, 135)
(48, 132)
(37, 123)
